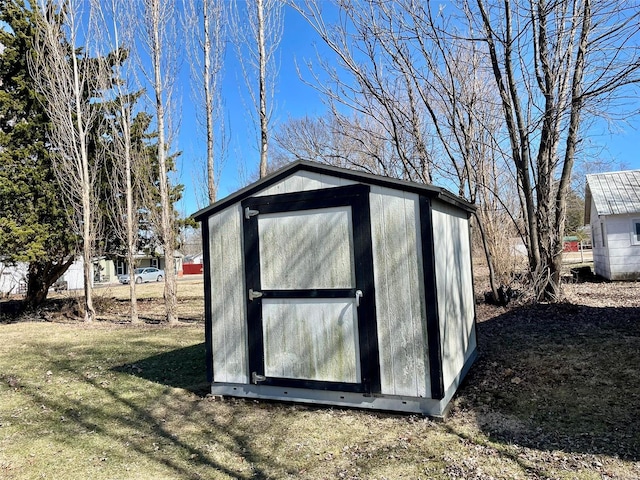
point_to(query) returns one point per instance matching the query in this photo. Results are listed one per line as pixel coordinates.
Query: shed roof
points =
(430, 191)
(613, 193)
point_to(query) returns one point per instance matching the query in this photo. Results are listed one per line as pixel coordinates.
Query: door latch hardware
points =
(256, 378)
(248, 213)
(254, 294)
(358, 297)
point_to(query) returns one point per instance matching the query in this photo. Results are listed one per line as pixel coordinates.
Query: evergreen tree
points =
(34, 226)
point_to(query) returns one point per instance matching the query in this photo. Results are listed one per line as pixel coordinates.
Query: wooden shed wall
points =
(304, 181)
(400, 305)
(228, 310)
(398, 279)
(228, 290)
(454, 285)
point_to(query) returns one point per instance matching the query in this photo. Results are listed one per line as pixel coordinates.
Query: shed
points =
(332, 286)
(612, 209)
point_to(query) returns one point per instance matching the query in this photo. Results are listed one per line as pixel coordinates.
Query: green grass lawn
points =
(555, 394)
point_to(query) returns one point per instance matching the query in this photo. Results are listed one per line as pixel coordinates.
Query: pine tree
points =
(34, 226)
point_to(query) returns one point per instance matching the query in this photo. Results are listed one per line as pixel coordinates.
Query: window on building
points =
(121, 267)
(635, 231)
(154, 262)
(603, 236)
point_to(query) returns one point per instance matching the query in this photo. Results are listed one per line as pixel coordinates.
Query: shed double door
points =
(310, 295)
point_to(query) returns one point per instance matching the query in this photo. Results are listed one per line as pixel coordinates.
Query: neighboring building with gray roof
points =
(612, 209)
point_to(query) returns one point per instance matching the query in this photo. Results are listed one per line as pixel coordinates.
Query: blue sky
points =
(293, 98)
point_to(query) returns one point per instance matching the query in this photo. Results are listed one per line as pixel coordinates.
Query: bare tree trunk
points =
(208, 42)
(208, 101)
(131, 238)
(260, 34)
(67, 80)
(159, 13)
(577, 100)
(262, 55)
(117, 29)
(40, 276)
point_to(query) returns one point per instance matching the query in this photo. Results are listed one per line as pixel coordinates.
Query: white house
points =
(612, 209)
(13, 278)
(112, 269)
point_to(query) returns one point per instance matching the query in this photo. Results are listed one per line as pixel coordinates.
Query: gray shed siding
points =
(454, 284)
(398, 276)
(228, 306)
(303, 182)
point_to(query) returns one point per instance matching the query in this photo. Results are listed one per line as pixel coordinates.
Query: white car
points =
(147, 274)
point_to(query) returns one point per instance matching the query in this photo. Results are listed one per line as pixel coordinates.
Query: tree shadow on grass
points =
(112, 414)
(185, 368)
(559, 377)
(182, 368)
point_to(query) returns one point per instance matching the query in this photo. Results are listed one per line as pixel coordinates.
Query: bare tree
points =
(158, 36)
(440, 76)
(256, 38)
(205, 22)
(552, 62)
(356, 141)
(375, 86)
(65, 74)
(117, 29)
(424, 95)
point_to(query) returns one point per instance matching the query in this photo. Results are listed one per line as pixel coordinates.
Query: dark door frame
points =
(357, 197)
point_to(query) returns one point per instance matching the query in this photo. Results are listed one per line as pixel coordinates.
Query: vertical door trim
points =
(431, 301)
(208, 316)
(251, 253)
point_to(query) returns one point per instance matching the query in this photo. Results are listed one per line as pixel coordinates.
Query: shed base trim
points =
(423, 406)
(392, 403)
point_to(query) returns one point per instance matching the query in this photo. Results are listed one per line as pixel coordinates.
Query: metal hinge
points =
(255, 378)
(248, 213)
(254, 294)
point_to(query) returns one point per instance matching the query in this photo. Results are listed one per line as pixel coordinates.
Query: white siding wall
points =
(11, 276)
(75, 275)
(623, 256)
(454, 284)
(228, 308)
(400, 294)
